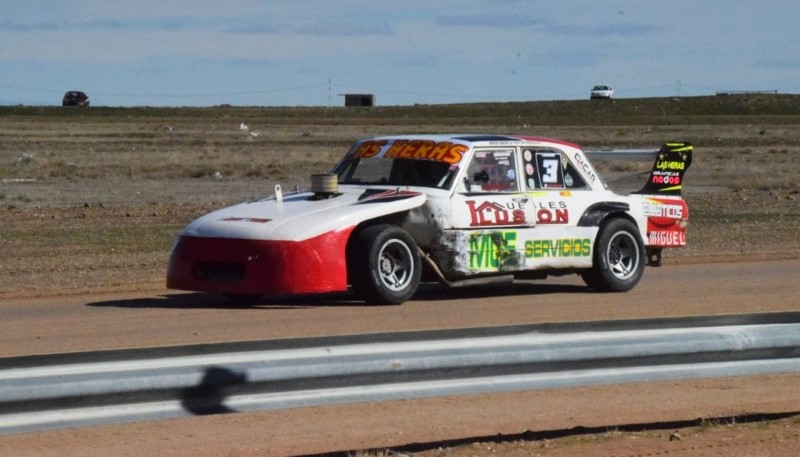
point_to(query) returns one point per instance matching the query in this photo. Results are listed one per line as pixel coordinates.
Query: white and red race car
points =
(460, 209)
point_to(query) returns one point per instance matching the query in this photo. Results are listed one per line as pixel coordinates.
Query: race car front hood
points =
(302, 215)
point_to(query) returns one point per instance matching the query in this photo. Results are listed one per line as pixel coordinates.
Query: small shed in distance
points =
(359, 100)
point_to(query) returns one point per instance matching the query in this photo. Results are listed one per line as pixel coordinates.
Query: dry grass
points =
(94, 197)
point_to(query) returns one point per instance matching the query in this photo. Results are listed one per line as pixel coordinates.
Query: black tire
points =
(619, 258)
(384, 265)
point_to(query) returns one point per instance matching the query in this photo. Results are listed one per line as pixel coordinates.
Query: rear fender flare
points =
(599, 212)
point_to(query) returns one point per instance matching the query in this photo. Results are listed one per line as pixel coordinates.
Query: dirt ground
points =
(621, 421)
(94, 204)
(90, 207)
(729, 416)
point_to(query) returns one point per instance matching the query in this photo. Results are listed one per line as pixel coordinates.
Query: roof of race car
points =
(474, 138)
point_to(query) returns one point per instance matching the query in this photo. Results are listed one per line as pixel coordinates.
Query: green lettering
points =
(570, 247)
(566, 248)
(541, 248)
(552, 248)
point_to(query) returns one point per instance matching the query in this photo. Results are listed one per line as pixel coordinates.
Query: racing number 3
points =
(550, 169)
(550, 175)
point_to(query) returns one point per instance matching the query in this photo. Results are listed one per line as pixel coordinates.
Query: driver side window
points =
(492, 171)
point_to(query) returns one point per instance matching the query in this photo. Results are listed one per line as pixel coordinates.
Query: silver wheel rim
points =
(395, 265)
(623, 255)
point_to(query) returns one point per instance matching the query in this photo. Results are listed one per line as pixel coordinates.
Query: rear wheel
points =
(384, 265)
(618, 258)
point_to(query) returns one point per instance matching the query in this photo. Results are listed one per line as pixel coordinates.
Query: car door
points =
(559, 195)
(491, 212)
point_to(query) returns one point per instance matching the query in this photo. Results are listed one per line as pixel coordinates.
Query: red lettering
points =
(555, 216)
(544, 216)
(501, 217)
(490, 213)
(476, 218)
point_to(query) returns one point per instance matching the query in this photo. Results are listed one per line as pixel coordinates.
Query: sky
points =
(405, 52)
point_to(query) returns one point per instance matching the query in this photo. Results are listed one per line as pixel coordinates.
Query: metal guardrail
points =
(69, 390)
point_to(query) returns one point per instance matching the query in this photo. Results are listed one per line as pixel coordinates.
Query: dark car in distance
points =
(75, 98)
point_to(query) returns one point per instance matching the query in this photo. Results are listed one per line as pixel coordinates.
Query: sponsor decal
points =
(552, 216)
(567, 247)
(585, 169)
(667, 238)
(490, 251)
(666, 226)
(369, 149)
(443, 151)
(665, 214)
(670, 165)
(659, 209)
(552, 212)
(489, 214)
(666, 177)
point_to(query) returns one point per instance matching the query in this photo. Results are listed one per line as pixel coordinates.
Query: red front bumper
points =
(262, 267)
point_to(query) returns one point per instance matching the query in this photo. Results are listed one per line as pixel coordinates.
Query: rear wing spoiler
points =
(671, 162)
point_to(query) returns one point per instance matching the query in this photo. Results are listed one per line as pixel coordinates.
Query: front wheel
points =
(618, 258)
(384, 264)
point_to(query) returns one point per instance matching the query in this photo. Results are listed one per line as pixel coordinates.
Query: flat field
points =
(93, 198)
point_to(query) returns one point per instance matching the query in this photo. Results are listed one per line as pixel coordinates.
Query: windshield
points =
(402, 162)
(396, 172)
